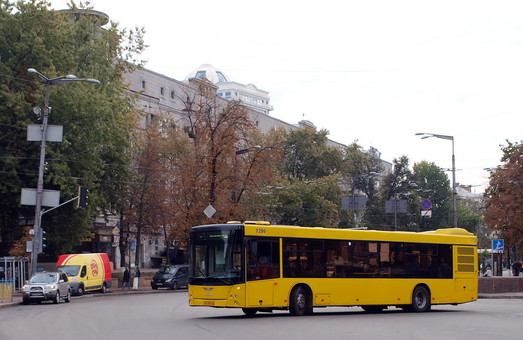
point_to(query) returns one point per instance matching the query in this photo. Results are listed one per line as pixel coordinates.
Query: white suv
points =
(47, 286)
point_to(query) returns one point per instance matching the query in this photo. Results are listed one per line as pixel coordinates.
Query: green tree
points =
(361, 172)
(434, 184)
(98, 120)
(308, 157)
(309, 191)
(400, 185)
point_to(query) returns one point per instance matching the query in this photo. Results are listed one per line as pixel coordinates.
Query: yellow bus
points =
(260, 267)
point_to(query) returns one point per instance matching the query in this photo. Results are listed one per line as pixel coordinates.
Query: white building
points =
(249, 95)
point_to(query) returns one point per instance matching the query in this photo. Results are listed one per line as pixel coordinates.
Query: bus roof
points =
(264, 229)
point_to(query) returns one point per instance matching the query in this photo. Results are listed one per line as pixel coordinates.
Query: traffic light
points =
(83, 195)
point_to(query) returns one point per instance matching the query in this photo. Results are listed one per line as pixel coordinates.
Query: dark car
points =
(173, 277)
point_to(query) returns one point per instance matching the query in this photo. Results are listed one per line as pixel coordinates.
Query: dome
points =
(210, 72)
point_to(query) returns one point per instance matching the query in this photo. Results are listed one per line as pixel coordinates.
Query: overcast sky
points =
(372, 71)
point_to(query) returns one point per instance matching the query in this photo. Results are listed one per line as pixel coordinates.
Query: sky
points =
(375, 72)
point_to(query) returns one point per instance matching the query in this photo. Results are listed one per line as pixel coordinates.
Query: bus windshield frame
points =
(217, 255)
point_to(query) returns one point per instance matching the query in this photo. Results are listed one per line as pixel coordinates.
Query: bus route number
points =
(261, 231)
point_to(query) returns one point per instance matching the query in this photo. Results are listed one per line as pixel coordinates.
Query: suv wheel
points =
(68, 297)
(57, 297)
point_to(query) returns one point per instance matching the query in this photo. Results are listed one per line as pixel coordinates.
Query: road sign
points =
(426, 213)
(353, 203)
(498, 245)
(426, 204)
(395, 206)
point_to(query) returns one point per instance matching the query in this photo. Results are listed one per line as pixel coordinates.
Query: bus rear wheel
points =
(249, 311)
(298, 302)
(420, 300)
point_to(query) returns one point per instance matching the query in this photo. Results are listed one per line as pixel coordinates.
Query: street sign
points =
(54, 133)
(426, 204)
(395, 206)
(209, 211)
(498, 245)
(50, 198)
(353, 203)
(426, 213)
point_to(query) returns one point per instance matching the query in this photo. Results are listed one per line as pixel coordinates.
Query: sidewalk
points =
(17, 297)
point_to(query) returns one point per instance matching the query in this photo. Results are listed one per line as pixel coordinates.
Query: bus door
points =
(263, 266)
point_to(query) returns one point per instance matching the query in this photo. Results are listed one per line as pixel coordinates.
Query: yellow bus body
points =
(275, 293)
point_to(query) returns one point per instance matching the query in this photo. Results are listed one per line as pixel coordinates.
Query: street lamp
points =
(40, 184)
(454, 194)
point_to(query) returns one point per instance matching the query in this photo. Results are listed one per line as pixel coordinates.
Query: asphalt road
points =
(167, 315)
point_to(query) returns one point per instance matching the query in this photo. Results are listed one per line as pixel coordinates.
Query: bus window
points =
(263, 260)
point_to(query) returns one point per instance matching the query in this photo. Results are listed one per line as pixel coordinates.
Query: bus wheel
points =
(298, 303)
(249, 311)
(420, 300)
(373, 308)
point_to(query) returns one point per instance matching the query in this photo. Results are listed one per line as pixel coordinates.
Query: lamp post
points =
(40, 184)
(454, 194)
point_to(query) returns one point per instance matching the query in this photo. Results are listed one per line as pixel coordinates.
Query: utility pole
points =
(37, 241)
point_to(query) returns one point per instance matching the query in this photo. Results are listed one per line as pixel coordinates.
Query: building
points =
(249, 95)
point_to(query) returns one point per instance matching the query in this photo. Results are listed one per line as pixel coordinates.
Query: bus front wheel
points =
(420, 300)
(249, 311)
(298, 303)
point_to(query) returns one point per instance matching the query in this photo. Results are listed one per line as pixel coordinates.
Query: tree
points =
(98, 121)
(434, 184)
(308, 157)
(308, 192)
(221, 161)
(504, 197)
(361, 172)
(400, 185)
(147, 208)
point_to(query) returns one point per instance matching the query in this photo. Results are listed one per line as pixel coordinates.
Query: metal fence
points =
(13, 274)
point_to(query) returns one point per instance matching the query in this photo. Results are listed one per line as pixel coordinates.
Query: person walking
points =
(126, 279)
(136, 280)
(516, 267)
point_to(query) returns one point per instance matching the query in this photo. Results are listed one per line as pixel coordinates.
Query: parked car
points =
(45, 286)
(86, 272)
(172, 276)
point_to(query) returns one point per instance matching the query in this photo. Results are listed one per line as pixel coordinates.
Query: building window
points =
(200, 74)
(161, 91)
(172, 94)
(143, 84)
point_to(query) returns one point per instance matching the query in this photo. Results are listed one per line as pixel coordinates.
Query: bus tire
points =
(373, 308)
(298, 301)
(249, 311)
(420, 300)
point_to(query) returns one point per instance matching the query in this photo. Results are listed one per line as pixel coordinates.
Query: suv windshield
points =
(69, 270)
(216, 254)
(43, 278)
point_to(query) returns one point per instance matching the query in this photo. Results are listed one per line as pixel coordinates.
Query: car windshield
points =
(69, 270)
(167, 270)
(43, 278)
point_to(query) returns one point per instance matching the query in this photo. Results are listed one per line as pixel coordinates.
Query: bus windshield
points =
(216, 256)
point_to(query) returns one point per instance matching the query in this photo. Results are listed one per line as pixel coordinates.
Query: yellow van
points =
(86, 272)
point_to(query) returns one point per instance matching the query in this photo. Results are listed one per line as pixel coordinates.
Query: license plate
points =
(208, 303)
(37, 294)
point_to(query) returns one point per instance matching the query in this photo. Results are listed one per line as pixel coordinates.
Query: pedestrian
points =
(136, 280)
(516, 266)
(488, 272)
(126, 279)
